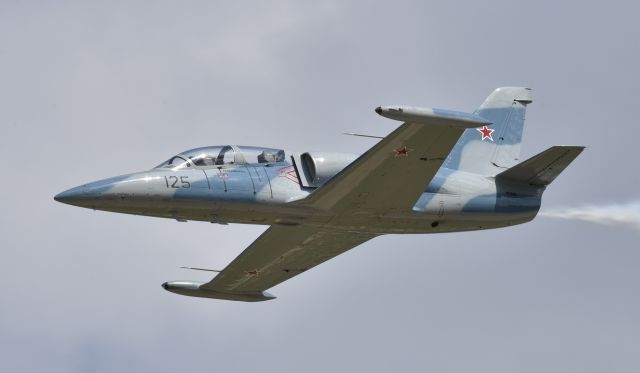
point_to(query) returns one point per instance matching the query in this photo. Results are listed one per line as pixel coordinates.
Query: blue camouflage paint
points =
(263, 192)
(505, 108)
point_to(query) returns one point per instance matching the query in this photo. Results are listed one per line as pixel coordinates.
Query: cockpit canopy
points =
(213, 156)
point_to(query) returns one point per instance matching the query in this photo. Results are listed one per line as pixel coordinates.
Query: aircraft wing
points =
(280, 253)
(393, 174)
(389, 177)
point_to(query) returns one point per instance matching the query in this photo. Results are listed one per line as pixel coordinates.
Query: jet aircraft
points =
(439, 171)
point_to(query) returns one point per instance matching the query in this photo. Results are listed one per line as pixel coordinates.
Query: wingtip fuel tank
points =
(199, 289)
(432, 116)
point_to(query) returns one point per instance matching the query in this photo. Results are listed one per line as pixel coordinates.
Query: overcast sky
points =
(90, 90)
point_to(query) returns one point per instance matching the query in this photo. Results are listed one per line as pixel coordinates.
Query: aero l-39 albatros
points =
(440, 171)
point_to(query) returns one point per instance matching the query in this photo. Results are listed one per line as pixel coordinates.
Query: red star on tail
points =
(486, 132)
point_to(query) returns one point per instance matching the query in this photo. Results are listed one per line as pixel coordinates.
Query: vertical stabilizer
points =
(492, 149)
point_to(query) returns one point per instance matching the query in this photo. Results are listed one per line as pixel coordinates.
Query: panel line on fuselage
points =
(253, 183)
(206, 177)
(266, 174)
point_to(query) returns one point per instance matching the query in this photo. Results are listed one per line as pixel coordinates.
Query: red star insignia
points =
(402, 152)
(254, 273)
(486, 132)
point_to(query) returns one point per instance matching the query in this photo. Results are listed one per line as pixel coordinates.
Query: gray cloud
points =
(90, 90)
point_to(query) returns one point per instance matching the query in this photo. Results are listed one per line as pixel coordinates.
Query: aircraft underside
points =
(444, 218)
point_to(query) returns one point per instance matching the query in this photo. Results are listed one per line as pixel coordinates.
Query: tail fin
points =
(496, 147)
(542, 169)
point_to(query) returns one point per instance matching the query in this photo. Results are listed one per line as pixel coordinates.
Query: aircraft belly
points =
(438, 213)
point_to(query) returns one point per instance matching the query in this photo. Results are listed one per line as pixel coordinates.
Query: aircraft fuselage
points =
(266, 194)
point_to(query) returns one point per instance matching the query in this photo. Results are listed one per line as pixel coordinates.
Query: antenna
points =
(361, 135)
(202, 269)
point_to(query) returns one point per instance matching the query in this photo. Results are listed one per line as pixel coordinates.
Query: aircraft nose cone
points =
(379, 110)
(70, 196)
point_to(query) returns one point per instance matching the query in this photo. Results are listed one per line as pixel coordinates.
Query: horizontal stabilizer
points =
(542, 169)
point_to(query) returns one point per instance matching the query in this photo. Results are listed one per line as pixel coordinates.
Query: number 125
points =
(172, 182)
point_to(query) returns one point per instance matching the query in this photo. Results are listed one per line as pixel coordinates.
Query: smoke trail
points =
(627, 214)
